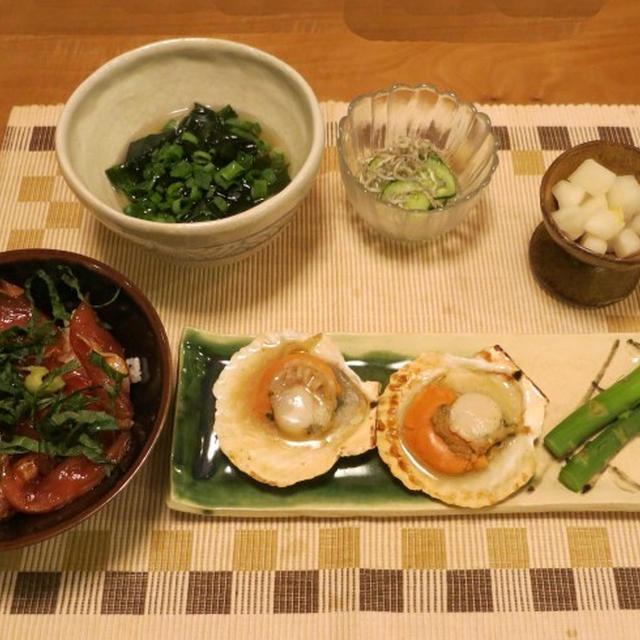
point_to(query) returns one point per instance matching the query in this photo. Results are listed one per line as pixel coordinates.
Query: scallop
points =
(462, 430)
(288, 406)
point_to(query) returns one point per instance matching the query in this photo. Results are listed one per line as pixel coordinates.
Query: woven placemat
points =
(138, 569)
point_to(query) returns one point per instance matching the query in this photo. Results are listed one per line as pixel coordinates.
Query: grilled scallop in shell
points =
(462, 430)
(288, 406)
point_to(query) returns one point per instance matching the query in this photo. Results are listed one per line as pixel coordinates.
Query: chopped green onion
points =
(181, 170)
(247, 125)
(176, 205)
(209, 165)
(187, 136)
(259, 190)
(201, 157)
(245, 159)
(174, 188)
(220, 203)
(220, 181)
(232, 171)
(170, 153)
(202, 178)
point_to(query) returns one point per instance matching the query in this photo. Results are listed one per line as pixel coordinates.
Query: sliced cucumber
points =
(398, 188)
(446, 187)
(407, 194)
(375, 162)
(424, 181)
(417, 200)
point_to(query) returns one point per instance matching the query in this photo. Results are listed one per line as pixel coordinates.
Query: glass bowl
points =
(458, 132)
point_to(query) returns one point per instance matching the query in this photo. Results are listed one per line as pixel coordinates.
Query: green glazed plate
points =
(204, 481)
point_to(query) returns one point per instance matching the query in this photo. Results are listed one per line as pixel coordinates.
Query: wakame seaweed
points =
(209, 165)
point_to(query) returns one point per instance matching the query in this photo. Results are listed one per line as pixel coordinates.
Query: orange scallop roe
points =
(421, 438)
(262, 403)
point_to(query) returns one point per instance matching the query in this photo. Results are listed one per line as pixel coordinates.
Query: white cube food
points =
(593, 243)
(592, 177)
(592, 204)
(571, 221)
(626, 243)
(604, 224)
(635, 224)
(567, 194)
(625, 194)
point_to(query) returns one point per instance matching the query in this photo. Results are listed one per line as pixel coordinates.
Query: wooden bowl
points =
(562, 266)
(136, 325)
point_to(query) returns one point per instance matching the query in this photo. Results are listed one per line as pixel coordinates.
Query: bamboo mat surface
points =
(138, 569)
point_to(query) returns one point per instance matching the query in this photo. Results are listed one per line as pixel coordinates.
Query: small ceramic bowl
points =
(461, 135)
(137, 327)
(565, 268)
(141, 88)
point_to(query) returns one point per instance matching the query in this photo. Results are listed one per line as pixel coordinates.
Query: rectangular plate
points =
(563, 366)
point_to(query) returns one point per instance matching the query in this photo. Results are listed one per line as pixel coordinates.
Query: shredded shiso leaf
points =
(66, 424)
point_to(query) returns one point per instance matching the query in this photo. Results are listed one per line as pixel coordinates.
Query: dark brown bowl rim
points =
(28, 255)
(580, 252)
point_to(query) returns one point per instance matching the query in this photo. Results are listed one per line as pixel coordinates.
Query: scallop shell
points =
(512, 464)
(257, 447)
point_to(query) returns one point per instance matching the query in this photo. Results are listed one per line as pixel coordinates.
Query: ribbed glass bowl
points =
(458, 132)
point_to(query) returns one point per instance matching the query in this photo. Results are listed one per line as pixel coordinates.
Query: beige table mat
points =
(138, 569)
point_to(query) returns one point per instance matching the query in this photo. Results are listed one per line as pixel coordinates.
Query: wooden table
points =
(489, 51)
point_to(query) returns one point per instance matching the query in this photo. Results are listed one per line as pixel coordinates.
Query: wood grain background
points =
(515, 51)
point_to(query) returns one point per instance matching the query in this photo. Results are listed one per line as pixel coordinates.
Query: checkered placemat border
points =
(504, 574)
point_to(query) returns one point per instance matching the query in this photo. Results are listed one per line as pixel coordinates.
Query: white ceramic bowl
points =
(461, 135)
(142, 87)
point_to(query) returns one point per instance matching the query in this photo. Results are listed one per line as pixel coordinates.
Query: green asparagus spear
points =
(598, 411)
(594, 456)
